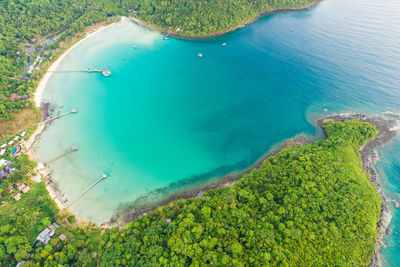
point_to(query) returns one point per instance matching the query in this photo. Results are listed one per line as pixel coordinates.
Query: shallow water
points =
(389, 169)
(165, 115)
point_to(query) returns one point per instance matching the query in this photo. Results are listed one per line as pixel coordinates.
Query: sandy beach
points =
(43, 173)
(42, 84)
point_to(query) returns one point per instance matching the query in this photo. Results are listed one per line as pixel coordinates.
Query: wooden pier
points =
(72, 149)
(59, 116)
(105, 72)
(103, 176)
(42, 126)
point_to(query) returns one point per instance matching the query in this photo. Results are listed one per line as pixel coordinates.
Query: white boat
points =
(106, 73)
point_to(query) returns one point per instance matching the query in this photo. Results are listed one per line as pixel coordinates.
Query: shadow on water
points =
(197, 185)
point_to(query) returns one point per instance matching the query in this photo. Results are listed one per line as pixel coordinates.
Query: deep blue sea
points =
(166, 116)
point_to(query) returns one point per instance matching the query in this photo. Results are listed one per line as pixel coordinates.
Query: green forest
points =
(25, 28)
(306, 206)
(206, 17)
(310, 205)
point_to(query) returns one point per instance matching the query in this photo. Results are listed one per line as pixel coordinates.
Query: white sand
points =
(54, 192)
(47, 75)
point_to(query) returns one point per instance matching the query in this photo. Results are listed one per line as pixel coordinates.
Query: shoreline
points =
(388, 124)
(56, 194)
(42, 172)
(130, 211)
(220, 33)
(369, 155)
(43, 81)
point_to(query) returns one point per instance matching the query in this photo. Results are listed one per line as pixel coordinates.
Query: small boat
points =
(106, 73)
(292, 29)
(134, 46)
(223, 44)
(200, 55)
(165, 38)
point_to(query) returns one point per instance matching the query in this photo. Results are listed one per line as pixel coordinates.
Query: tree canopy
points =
(310, 205)
(205, 17)
(24, 28)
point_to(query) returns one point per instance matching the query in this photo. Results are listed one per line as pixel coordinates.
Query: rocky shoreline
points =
(42, 171)
(388, 124)
(212, 35)
(128, 212)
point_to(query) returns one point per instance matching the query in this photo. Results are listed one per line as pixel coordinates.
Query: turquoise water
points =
(165, 115)
(389, 168)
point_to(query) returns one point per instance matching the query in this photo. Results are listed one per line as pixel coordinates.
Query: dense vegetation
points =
(309, 205)
(21, 221)
(206, 17)
(306, 206)
(29, 29)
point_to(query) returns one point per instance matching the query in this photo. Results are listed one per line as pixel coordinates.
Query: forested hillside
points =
(306, 206)
(309, 205)
(28, 38)
(193, 17)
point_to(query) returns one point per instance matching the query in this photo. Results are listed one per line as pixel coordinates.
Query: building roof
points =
(3, 145)
(4, 174)
(3, 161)
(11, 142)
(7, 170)
(42, 236)
(17, 197)
(62, 237)
(23, 134)
(26, 189)
(20, 186)
(47, 233)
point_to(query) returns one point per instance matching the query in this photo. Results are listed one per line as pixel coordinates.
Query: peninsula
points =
(306, 204)
(310, 204)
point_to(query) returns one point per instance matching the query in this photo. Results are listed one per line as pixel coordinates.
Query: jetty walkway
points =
(42, 126)
(105, 72)
(59, 116)
(103, 176)
(72, 149)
